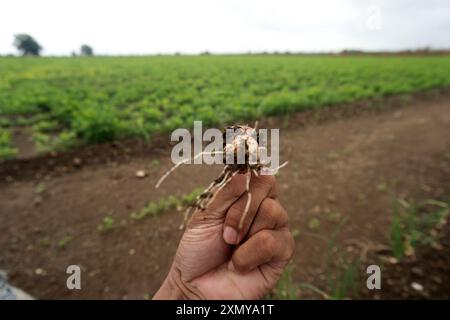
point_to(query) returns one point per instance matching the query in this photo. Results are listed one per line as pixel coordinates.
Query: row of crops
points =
(68, 102)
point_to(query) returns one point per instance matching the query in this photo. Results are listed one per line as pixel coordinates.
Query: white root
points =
(249, 199)
(165, 175)
(282, 166)
(274, 171)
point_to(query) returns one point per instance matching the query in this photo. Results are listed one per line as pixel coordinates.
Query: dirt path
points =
(350, 167)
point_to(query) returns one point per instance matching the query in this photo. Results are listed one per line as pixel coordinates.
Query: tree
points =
(27, 45)
(86, 50)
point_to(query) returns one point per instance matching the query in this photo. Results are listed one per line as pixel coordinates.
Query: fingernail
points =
(231, 266)
(230, 235)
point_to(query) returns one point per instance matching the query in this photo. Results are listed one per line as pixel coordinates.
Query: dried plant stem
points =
(207, 195)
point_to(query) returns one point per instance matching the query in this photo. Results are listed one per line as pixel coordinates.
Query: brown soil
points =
(429, 268)
(348, 166)
(23, 141)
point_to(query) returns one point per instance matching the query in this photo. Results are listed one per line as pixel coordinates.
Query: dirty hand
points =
(216, 261)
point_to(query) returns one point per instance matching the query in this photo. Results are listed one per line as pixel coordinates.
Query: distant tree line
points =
(28, 46)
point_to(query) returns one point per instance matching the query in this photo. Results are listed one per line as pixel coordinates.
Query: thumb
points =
(225, 197)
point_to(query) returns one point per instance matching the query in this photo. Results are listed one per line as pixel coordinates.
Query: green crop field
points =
(73, 101)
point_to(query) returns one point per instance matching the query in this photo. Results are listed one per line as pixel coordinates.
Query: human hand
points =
(215, 260)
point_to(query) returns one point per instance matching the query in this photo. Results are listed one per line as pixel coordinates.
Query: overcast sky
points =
(225, 26)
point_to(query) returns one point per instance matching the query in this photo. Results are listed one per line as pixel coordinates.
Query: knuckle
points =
(268, 213)
(268, 241)
(269, 206)
(274, 212)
